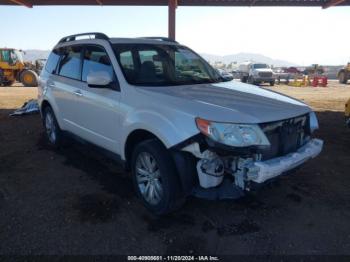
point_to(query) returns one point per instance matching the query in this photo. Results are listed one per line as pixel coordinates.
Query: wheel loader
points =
(344, 74)
(347, 112)
(13, 68)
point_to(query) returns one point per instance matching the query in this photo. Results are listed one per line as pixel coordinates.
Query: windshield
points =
(157, 65)
(260, 66)
(11, 56)
(18, 56)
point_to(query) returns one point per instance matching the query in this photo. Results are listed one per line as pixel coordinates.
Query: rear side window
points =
(70, 65)
(96, 60)
(52, 61)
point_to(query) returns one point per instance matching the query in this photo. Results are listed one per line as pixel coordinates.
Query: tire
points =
(244, 79)
(155, 177)
(29, 78)
(272, 83)
(8, 83)
(52, 129)
(251, 80)
(343, 78)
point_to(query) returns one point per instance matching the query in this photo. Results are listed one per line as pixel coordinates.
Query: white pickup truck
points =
(256, 73)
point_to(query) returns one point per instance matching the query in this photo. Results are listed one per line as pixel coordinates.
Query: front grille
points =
(285, 136)
(265, 74)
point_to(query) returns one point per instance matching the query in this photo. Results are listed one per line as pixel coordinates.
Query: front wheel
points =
(343, 78)
(251, 80)
(155, 177)
(9, 83)
(272, 83)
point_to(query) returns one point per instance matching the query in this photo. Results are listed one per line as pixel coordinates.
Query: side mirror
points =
(99, 79)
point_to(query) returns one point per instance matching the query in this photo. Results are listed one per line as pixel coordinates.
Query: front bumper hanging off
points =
(256, 171)
(260, 171)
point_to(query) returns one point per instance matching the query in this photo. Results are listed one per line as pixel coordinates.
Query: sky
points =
(299, 35)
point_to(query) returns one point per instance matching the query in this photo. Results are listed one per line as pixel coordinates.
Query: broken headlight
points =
(238, 135)
(313, 122)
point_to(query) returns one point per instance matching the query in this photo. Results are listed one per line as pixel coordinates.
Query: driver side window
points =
(5, 55)
(95, 60)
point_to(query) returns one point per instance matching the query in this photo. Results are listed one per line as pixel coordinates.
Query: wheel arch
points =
(184, 162)
(134, 138)
(44, 104)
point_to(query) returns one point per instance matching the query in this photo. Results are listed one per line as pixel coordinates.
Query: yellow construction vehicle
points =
(344, 74)
(12, 68)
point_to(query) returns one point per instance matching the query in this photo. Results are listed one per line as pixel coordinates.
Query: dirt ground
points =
(74, 201)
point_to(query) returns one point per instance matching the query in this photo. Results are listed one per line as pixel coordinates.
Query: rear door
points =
(66, 87)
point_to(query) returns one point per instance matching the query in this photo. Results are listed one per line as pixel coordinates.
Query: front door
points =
(98, 112)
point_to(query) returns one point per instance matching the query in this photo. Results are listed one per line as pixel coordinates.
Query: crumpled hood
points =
(228, 102)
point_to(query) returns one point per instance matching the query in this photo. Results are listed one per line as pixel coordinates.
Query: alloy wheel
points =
(148, 178)
(50, 127)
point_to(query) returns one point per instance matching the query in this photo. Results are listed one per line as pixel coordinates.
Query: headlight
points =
(313, 122)
(238, 135)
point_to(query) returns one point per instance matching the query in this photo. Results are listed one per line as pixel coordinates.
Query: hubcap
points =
(50, 128)
(28, 78)
(148, 178)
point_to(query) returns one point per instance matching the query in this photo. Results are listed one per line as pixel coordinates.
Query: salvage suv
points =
(169, 117)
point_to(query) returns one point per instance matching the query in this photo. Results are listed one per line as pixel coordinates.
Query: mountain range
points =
(33, 54)
(243, 57)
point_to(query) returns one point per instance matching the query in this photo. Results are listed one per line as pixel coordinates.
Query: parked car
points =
(256, 73)
(281, 74)
(226, 76)
(165, 113)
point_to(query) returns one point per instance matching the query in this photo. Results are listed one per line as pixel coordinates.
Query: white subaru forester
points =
(169, 117)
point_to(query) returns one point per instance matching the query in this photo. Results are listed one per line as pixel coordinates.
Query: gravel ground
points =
(74, 201)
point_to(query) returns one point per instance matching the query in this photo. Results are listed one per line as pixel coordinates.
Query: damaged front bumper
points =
(260, 171)
(229, 176)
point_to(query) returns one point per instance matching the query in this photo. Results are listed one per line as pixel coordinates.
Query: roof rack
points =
(74, 37)
(161, 38)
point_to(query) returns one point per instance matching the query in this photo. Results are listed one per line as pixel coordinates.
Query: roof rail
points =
(161, 38)
(74, 37)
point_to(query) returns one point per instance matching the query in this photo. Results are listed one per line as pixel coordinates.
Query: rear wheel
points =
(272, 83)
(343, 77)
(52, 129)
(29, 78)
(155, 177)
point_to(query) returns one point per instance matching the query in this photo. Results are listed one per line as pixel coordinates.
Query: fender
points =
(170, 132)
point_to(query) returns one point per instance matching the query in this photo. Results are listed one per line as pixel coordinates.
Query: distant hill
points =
(33, 54)
(243, 57)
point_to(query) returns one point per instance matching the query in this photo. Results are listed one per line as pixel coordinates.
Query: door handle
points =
(78, 93)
